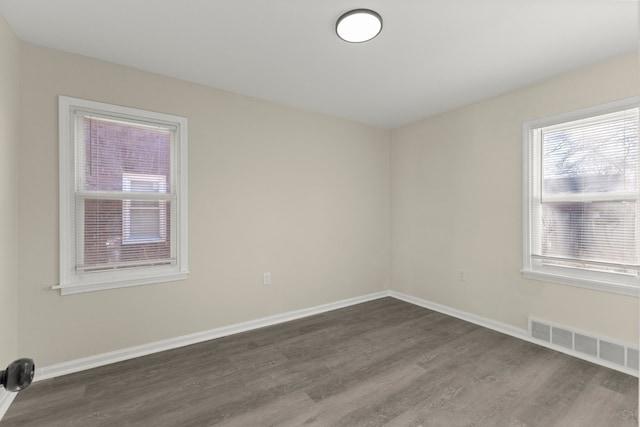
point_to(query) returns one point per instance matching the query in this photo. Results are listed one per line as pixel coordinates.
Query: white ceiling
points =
(432, 55)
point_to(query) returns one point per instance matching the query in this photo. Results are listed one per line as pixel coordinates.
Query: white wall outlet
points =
(266, 279)
(460, 275)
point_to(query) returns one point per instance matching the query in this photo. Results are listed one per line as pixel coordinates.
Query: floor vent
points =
(589, 345)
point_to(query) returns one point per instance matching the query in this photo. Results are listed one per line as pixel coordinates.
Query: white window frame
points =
(597, 280)
(73, 280)
(160, 185)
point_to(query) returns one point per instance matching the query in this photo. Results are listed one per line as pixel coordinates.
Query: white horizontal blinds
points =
(124, 198)
(585, 212)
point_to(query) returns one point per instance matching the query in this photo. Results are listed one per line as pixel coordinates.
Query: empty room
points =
(329, 213)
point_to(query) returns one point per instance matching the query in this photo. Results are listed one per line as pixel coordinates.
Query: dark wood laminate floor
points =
(381, 363)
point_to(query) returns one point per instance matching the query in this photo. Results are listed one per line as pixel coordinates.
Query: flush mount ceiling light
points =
(359, 25)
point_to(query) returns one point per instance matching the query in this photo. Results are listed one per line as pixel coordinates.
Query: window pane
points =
(591, 156)
(105, 246)
(113, 149)
(601, 232)
(102, 231)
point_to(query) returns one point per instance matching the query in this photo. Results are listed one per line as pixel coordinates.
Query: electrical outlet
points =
(461, 275)
(266, 279)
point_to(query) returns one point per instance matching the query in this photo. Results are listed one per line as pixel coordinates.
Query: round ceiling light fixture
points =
(359, 25)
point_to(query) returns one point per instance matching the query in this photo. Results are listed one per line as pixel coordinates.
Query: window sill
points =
(70, 289)
(597, 285)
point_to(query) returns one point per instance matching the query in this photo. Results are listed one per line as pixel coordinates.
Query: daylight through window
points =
(582, 198)
(126, 197)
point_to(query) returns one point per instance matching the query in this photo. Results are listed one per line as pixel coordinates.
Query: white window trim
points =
(70, 281)
(600, 281)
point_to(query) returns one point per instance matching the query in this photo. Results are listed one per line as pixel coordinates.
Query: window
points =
(581, 202)
(123, 196)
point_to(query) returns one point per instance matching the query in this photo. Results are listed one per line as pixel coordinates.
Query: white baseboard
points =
(90, 362)
(504, 328)
(77, 365)
(472, 318)
(85, 363)
(6, 398)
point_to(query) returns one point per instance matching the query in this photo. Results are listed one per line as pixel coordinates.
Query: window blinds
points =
(584, 209)
(125, 200)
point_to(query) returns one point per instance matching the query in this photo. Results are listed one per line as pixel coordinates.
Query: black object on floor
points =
(18, 375)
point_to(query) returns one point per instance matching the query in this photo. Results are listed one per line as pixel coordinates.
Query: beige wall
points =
(271, 189)
(306, 197)
(456, 204)
(9, 83)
